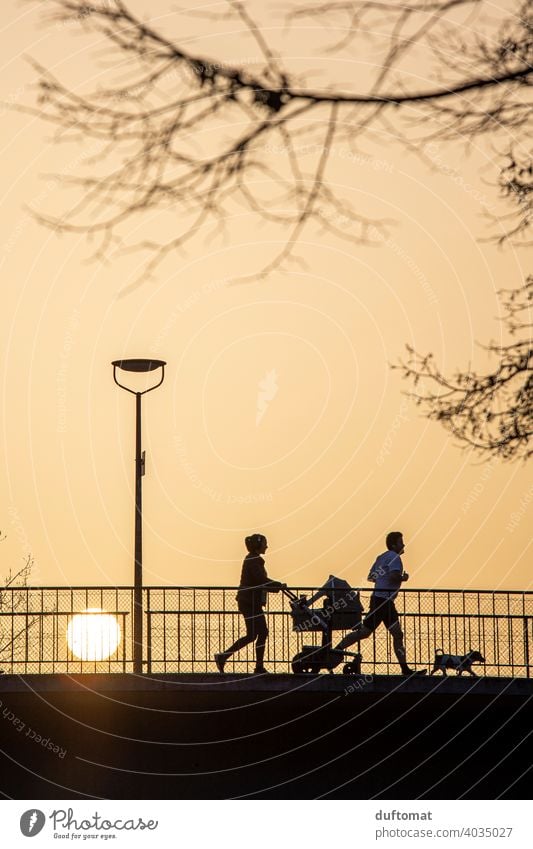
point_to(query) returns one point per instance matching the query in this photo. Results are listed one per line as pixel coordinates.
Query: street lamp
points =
(138, 366)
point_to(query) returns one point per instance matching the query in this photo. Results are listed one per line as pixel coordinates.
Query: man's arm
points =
(375, 571)
(397, 575)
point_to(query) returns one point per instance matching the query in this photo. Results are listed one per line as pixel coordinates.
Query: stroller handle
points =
(289, 593)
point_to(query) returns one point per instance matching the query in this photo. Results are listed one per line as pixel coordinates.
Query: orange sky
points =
(332, 458)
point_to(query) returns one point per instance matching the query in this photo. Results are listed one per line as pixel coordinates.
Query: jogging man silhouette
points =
(388, 575)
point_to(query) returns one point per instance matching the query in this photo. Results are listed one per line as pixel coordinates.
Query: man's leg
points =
(360, 632)
(365, 628)
(396, 633)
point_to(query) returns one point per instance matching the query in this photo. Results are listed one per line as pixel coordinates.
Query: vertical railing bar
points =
(480, 628)
(511, 653)
(70, 605)
(208, 631)
(449, 619)
(12, 633)
(55, 641)
(157, 601)
(420, 635)
(167, 638)
(42, 634)
(193, 631)
(222, 635)
(41, 639)
(526, 645)
(123, 626)
(148, 633)
(26, 637)
(179, 629)
(496, 634)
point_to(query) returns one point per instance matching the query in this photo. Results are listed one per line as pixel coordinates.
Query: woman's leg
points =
(261, 632)
(248, 638)
(256, 629)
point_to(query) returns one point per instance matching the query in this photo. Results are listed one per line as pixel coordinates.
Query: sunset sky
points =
(279, 411)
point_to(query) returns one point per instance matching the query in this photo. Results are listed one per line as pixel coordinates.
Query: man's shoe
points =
(260, 670)
(220, 660)
(417, 673)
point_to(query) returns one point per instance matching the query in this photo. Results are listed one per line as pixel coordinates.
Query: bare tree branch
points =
(491, 413)
(516, 183)
(189, 135)
(13, 598)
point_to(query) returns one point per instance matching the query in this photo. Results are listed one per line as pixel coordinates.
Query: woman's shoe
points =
(220, 660)
(260, 670)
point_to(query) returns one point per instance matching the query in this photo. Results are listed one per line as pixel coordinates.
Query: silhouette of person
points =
(251, 597)
(388, 575)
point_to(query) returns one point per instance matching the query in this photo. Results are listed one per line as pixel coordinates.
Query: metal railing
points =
(185, 626)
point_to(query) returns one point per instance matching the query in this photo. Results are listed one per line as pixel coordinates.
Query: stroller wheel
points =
(308, 668)
(298, 663)
(351, 669)
(306, 661)
(300, 667)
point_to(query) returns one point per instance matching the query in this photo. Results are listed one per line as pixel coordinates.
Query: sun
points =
(93, 634)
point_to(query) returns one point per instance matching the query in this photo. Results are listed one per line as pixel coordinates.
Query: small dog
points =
(460, 662)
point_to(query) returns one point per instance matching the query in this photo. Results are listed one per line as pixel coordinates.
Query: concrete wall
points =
(278, 736)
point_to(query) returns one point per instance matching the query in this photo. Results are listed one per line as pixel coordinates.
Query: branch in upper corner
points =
(195, 137)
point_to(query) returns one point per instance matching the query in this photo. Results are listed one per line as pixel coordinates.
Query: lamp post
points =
(138, 365)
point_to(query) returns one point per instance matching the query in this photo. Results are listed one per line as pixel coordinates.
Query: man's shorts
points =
(381, 610)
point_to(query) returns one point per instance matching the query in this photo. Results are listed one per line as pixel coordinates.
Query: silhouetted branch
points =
(193, 136)
(516, 183)
(20, 576)
(12, 601)
(492, 413)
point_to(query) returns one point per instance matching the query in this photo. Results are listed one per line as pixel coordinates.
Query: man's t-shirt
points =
(385, 571)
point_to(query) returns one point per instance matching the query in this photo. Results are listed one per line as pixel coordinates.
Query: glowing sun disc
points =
(93, 634)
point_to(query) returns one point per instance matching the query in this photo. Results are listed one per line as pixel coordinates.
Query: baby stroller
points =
(340, 611)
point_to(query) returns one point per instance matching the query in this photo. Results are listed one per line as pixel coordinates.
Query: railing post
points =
(148, 633)
(526, 646)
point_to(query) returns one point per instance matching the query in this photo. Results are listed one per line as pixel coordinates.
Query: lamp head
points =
(138, 365)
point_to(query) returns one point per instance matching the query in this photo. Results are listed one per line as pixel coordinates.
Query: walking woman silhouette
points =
(251, 597)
